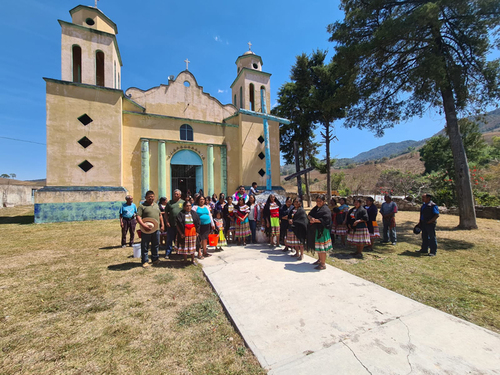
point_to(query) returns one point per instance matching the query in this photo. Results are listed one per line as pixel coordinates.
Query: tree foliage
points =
(410, 55)
(436, 153)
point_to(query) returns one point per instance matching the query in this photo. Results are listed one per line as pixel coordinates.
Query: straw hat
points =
(151, 223)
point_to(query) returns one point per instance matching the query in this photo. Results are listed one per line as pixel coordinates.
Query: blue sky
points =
(155, 37)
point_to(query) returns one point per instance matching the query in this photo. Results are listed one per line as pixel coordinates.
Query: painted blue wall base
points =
(78, 211)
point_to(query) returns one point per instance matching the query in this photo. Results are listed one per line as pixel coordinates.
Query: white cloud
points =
(217, 38)
(219, 91)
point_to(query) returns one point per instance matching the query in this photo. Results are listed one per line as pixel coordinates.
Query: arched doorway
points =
(186, 170)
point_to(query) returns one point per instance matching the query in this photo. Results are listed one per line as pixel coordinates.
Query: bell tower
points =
(89, 49)
(251, 83)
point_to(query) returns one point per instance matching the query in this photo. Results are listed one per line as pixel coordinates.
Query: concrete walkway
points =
(298, 320)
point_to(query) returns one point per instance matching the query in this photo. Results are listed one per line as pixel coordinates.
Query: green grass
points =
(72, 301)
(462, 280)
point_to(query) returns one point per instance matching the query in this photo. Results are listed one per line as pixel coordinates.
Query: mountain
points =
(387, 150)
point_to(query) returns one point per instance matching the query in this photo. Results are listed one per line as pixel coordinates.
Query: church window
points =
(186, 133)
(262, 156)
(86, 166)
(77, 64)
(261, 139)
(262, 172)
(99, 68)
(85, 142)
(255, 66)
(187, 84)
(241, 97)
(235, 101)
(252, 97)
(90, 22)
(85, 119)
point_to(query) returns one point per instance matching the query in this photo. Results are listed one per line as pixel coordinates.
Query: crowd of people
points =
(184, 224)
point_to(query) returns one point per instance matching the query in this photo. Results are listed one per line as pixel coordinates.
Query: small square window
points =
(261, 139)
(262, 172)
(85, 119)
(85, 142)
(86, 166)
(262, 156)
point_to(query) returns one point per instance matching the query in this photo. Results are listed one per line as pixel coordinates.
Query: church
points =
(104, 143)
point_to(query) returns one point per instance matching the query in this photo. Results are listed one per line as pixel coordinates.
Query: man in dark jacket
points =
(429, 213)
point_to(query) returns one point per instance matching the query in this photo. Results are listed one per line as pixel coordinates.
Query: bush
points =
(484, 198)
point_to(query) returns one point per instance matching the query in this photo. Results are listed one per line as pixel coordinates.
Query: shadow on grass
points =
(110, 247)
(127, 266)
(26, 219)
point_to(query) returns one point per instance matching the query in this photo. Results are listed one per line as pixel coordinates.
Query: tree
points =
(414, 54)
(437, 156)
(4, 175)
(331, 93)
(294, 104)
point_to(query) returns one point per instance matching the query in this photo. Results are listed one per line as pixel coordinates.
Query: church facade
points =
(104, 143)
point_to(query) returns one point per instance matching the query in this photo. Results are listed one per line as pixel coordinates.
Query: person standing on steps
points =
(429, 213)
(388, 212)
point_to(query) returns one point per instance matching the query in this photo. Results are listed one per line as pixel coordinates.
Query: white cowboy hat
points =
(151, 223)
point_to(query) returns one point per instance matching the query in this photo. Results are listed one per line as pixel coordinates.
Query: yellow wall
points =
(67, 102)
(100, 23)
(137, 126)
(177, 100)
(90, 43)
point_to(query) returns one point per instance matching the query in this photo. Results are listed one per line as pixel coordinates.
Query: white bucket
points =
(137, 250)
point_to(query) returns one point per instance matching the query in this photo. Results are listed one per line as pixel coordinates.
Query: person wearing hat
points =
(150, 219)
(429, 213)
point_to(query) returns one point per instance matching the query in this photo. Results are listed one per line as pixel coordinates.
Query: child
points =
(219, 224)
(230, 218)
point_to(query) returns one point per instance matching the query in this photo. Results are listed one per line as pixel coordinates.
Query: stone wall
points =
(404, 205)
(16, 195)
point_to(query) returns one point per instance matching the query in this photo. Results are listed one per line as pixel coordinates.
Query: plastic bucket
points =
(137, 250)
(213, 240)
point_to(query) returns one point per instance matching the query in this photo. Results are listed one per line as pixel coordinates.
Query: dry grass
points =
(462, 280)
(72, 302)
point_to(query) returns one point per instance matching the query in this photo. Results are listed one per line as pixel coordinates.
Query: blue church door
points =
(186, 168)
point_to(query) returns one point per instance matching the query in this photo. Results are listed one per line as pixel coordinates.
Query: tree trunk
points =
(463, 185)
(328, 166)
(306, 177)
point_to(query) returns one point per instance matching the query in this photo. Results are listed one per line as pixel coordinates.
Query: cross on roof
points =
(187, 64)
(249, 46)
(96, 3)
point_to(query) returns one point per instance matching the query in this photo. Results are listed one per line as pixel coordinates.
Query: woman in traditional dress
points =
(188, 226)
(359, 235)
(206, 223)
(341, 218)
(219, 205)
(334, 209)
(242, 223)
(320, 221)
(219, 224)
(284, 213)
(297, 229)
(229, 212)
(272, 216)
(253, 216)
(372, 225)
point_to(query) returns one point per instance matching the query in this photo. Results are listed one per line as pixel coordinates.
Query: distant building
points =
(103, 142)
(18, 193)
